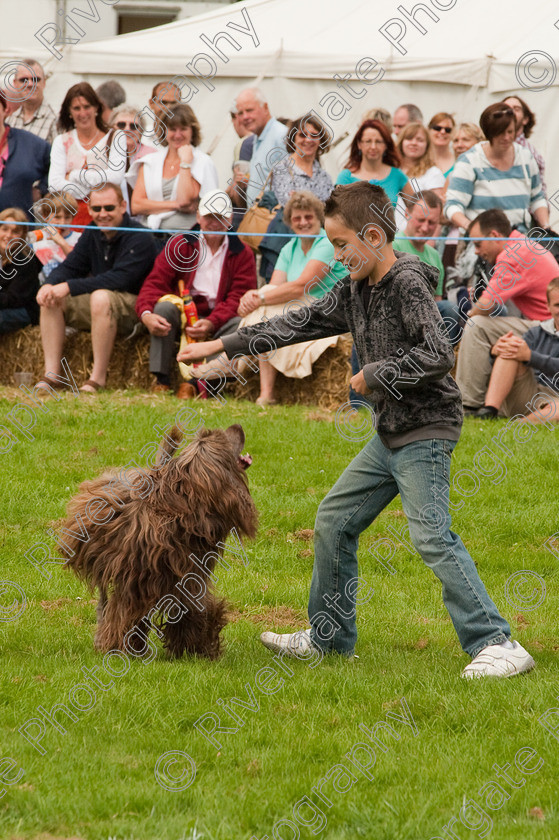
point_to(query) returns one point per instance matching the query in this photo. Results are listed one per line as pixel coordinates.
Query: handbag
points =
(256, 220)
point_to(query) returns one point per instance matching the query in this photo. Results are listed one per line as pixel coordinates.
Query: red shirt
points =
(522, 273)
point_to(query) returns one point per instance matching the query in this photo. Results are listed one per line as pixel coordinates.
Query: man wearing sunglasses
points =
(95, 288)
(33, 113)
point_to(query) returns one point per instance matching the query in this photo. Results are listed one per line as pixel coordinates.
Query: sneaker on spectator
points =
(499, 661)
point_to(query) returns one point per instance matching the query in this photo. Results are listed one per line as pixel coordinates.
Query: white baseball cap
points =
(216, 203)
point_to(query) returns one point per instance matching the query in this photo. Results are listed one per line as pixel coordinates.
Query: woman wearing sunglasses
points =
(441, 129)
(131, 121)
(497, 173)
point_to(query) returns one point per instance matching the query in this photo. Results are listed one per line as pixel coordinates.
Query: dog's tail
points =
(168, 446)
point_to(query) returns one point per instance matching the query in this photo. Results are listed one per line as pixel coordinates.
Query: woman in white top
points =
(414, 147)
(80, 160)
(441, 130)
(167, 185)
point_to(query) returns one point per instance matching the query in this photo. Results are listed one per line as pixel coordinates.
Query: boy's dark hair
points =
(360, 205)
(493, 219)
(552, 286)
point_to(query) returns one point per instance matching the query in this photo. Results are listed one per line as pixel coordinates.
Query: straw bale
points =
(327, 386)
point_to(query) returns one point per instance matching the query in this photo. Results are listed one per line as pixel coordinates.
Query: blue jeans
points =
(420, 473)
(13, 319)
(453, 320)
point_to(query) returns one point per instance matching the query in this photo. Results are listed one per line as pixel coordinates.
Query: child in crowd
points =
(52, 245)
(387, 304)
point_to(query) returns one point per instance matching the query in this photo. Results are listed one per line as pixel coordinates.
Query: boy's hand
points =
(358, 384)
(199, 351)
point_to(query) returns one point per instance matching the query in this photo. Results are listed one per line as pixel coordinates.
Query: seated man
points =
(525, 375)
(217, 281)
(96, 286)
(423, 221)
(521, 273)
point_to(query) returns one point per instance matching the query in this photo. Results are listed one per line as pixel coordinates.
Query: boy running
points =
(386, 301)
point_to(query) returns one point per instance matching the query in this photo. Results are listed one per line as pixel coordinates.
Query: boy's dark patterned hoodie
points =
(401, 344)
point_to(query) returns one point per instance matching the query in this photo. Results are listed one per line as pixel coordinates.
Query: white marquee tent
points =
(468, 55)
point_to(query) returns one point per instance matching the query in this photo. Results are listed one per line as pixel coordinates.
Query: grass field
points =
(96, 779)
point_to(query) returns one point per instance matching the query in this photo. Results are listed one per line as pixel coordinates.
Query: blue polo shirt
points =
(268, 149)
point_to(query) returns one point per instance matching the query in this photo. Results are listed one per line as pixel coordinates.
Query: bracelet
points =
(261, 294)
(185, 166)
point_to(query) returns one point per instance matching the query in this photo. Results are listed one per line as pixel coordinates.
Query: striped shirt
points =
(42, 124)
(476, 185)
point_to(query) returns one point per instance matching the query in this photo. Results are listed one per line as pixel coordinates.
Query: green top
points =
(428, 255)
(293, 260)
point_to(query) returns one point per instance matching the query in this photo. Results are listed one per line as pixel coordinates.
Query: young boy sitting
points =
(387, 303)
(53, 244)
(526, 371)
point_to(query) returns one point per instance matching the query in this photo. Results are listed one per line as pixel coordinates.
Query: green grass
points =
(97, 780)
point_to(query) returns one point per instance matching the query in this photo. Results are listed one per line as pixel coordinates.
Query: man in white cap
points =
(215, 268)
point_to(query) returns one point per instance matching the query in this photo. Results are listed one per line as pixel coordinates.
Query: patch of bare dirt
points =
(304, 534)
(280, 616)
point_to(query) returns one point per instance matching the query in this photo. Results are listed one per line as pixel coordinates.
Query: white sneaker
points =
(291, 644)
(499, 661)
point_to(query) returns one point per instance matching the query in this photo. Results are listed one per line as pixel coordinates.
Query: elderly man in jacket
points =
(215, 269)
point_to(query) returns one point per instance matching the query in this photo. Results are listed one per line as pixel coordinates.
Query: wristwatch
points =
(185, 166)
(261, 294)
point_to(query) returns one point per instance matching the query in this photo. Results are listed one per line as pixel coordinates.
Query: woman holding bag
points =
(307, 139)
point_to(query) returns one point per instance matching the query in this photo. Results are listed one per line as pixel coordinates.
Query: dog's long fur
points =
(143, 550)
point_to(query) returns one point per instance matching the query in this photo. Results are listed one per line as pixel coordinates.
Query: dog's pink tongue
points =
(246, 461)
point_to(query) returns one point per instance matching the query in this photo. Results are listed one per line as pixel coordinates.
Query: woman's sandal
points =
(93, 387)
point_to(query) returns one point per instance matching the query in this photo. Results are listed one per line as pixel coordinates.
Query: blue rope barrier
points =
(283, 235)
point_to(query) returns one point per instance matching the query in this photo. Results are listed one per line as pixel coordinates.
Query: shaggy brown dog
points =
(149, 540)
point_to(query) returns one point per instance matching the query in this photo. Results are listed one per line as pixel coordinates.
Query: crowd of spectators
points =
(110, 181)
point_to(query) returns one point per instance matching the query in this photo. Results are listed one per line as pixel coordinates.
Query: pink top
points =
(521, 274)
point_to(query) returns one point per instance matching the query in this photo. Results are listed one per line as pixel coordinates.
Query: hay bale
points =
(128, 368)
(327, 386)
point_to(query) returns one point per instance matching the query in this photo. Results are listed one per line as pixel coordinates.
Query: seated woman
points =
(19, 273)
(305, 271)
(373, 157)
(441, 129)
(306, 141)
(415, 149)
(467, 135)
(167, 184)
(131, 122)
(85, 143)
(497, 173)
